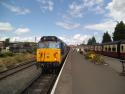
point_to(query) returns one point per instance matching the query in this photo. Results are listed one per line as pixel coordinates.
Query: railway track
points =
(42, 85)
(21, 75)
(15, 69)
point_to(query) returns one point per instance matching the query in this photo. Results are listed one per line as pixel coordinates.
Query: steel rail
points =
(16, 69)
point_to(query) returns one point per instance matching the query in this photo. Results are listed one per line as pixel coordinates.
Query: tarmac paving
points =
(80, 76)
(114, 63)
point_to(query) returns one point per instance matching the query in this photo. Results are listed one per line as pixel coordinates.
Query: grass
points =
(13, 60)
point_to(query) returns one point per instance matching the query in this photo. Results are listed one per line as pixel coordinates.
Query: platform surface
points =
(80, 76)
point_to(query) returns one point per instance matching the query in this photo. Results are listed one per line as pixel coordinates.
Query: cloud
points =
(3, 38)
(16, 9)
(46, 5)
(104, 26)
(116, 12)
(76, 10)
(5, 26)
(68, 25)
(99, 10)
(24, 39)
(20, 31)
(92, 3)
(76, 39)
(116, 9)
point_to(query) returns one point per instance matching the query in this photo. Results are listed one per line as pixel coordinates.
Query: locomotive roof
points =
(49, 38)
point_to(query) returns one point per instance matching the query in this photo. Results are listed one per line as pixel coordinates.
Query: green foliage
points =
(106, 38)
(91, 41)
(88, 54)
(95, 58)
(26, 44)
(5, 54)
(119, 33)
(11, 61)
(7, 41)
(31, 49)
(2, 66)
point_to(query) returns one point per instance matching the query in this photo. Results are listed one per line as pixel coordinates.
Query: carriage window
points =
(122, 47)
(105, 48)
(109, 49)
(98, 48)
(113, 49)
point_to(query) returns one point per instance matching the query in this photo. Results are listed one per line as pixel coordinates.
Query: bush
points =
(14, 60)
(2, 66)
(89, 54)
(9, 61)
(9, 53)
(93, 57)
(5, 54)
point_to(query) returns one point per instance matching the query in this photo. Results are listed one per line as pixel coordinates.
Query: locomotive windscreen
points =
(48, 44)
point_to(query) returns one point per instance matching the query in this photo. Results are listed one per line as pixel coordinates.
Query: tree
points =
(106, 38)
(91, 41)
(7, 41)
(119, 33)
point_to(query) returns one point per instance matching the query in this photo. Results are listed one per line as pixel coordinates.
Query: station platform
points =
(80, 76)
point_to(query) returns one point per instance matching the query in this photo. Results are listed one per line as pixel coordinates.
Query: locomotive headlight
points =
(55, 56)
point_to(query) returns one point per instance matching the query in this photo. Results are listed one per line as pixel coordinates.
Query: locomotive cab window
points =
(49, 44)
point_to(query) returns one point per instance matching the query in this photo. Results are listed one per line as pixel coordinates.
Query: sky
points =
(73, 21)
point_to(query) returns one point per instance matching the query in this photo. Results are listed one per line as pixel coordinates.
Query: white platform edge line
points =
(55, 85)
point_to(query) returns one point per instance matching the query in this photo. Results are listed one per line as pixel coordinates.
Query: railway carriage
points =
(89, 48)
(111, 49)
(51, 52)
(122, 49)
(98, 48)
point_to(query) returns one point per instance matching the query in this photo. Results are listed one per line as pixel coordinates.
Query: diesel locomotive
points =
(51, 52)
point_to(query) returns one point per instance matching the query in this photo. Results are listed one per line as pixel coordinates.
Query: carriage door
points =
(118, 50)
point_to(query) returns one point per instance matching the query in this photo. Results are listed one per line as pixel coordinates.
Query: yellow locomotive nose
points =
(48, 55)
